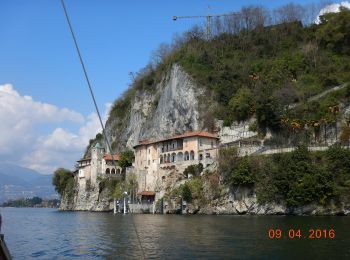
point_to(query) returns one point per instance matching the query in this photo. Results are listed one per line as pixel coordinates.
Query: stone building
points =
(99, 165)
(153, 158)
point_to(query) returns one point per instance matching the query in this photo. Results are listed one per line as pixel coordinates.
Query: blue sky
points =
(116, 37)
(38, 57)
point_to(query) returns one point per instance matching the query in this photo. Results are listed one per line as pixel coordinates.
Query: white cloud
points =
(21, 143)
(332, 8)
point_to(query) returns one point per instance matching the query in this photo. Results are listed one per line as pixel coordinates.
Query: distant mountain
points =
(18, 182)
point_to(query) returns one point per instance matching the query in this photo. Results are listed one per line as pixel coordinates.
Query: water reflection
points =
(49, 234)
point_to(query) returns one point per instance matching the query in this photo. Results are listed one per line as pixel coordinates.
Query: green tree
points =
(126, 159)
(186, 193)
(194, 170)
(338, 165)
(118, 191)
(334, 31)
(243, 173)
(63, 180)
(241, 104)
(268, 114)
(228, 158)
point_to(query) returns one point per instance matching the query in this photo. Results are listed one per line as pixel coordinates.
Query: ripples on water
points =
(50, 234)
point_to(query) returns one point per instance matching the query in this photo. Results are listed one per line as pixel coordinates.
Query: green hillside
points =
(259, 71)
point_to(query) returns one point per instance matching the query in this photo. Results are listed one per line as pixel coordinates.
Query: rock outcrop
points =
(88, 197)
(172, 107)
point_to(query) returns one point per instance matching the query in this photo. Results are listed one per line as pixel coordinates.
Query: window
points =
(149, 151)
(192, 155)
(173, 145)
(207, 155)
(200, 142)
(212, 144)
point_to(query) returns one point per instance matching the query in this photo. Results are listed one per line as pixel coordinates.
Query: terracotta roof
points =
(188, 134)
(146, 193)
(108, 157)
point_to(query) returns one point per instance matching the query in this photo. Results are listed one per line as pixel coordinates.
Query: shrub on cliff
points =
(193, 170)
(186, 193)
(126, 159)
(227, 159)
(243, 173)
(63, 180)
(298, 178)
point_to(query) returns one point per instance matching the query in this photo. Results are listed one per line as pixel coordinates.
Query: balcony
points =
(170, 149)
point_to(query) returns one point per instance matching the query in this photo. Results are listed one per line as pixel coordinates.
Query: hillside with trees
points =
(259, 63)
(278, 67)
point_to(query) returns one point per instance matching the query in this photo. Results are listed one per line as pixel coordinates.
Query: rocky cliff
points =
(276, 80)
(88, 197)
(241, 201)
(217, 198)
(170, 107)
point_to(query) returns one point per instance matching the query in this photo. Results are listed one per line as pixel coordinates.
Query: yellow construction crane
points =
(208, 18)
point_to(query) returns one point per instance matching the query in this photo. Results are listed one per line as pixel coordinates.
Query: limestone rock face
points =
(87, 198)
(171, 108)
(243, 201)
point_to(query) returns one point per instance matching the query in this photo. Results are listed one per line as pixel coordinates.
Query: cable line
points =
(96, 107)
(87, 79)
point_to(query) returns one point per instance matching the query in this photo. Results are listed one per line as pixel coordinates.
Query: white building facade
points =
(99, 165)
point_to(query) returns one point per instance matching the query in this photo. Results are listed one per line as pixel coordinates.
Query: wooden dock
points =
(4, 252)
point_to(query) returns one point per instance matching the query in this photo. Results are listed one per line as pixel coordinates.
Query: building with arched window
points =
(177, 151)
(99, 164)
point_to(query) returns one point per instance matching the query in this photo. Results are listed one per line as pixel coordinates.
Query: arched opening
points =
(192, 155)
(180, 157)
(118, 171)
(161, 159)
(168, 158)
(108, 171)
(173, 157)
(187, 156)
(113, 171)
(200, 156)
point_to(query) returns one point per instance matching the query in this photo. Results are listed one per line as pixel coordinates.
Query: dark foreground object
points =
(4, 252)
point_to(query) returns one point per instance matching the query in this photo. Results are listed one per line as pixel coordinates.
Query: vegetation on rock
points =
(126, 159)
(186, 193)
(31, 202)
(193, 170)
(297, 178)
(63, 180)
(257, 64)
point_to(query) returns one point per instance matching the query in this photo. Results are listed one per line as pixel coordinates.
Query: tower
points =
(97, 153)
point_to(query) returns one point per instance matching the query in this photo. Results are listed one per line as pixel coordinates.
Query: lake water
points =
(50, 234)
